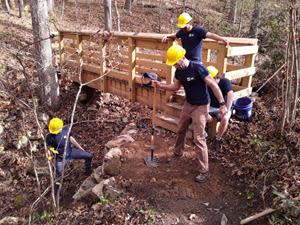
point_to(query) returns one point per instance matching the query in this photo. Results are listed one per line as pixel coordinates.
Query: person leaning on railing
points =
(191, 37)
(195, 79)
(227, 91)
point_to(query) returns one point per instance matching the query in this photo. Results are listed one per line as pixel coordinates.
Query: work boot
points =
(216, 144)
(202, 177)
(174, 158)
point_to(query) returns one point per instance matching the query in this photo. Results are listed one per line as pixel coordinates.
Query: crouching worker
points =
(57, 141)
(226, 89)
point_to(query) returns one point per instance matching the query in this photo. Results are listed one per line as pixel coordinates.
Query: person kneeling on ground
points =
(227, 91)
(194, 77)
(57, 141)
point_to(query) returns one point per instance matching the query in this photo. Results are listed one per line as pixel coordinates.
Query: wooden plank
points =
(142, 70)
(212, 45)
(151, 64)
(242, 50)
(233, 67)
(222, 59)
(242, 93)
(160, 58)
(249, 62)
(235, 74)
(151, 45)
(206, 55)
(70, 50)
(131, 68)
(118, 75)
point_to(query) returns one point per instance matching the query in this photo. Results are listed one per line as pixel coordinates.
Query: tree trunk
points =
(107, 15)
(233, 11)
(256, 14)
(6, 6)
(49, 92)
(50, 4)
(21, 8)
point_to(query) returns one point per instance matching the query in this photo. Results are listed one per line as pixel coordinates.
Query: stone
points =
(119, 141)
(130, 126)
(1, 129)
(85, 189)
(44, 117)
(97, 174)
(22, 142)
(98, 189)
(112, 167)
(113, 153)
(111, 192)
(11, 220)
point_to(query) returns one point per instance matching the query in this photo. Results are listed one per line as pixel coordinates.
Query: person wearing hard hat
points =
(227, 92)
(195, 79)
(191, 37)
(57, 141)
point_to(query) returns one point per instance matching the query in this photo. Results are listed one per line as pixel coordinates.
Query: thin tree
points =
(255, 20)
(21, 8)
(50, 4)
(6, 6)
(49, 89)
(233, 11)
(107, 15)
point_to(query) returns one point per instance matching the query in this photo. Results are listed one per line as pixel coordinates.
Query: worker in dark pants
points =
(191, 37)
(214, 109)
(194, 77)
(56, 140)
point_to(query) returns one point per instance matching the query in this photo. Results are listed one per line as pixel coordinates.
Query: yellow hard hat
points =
(183, 20)
(213, 71)
(174, 54)
(55, 125)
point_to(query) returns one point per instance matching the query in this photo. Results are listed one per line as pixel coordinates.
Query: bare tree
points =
(233, 10)
(50, 4)
(107, 15)
(49, 92)
(256, 14)
(21, 8)
(6, 6)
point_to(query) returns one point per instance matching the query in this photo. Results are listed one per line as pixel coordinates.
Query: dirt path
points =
(172, 191)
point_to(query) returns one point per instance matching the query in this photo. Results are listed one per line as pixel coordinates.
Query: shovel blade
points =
(151, 162)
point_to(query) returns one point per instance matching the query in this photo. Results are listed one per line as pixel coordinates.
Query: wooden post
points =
(169, 80)
(222, 59)
(131, 68)
(249, 62)
(104, 83)
(79, 53)
(206, 55)
(61, 50)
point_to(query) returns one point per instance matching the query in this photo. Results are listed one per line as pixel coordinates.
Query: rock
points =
(112, 167)
(130, 126)
(22, 142)
(85, 189)
(111, 192)
(11, 220)
(44, 117)
(97, 174)
(125, 120)
(106, 112)
(192, 217)
(98, 189)
(113, 153)
(119, 141)
(106, 98)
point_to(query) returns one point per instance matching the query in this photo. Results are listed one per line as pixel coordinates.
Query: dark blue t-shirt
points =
(225, 86)
(192, 79)
(58, 141)
(192, 42)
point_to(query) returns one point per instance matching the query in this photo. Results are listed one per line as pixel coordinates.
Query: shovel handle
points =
(257, 215)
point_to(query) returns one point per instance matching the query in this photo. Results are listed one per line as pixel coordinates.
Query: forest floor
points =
(254, 161)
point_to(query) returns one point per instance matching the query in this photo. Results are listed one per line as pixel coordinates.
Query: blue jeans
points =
(74, 154)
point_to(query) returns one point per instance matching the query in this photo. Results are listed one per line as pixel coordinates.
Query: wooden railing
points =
(123, 57)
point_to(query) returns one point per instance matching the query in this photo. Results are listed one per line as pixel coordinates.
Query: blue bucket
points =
(243, 108)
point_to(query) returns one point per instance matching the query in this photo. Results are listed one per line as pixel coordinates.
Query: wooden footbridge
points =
(121, 59)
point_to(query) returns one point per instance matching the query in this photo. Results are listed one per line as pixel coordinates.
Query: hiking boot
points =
(216, 144)
(174, 158)
(202, 177)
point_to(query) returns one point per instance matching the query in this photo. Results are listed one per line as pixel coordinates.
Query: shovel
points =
(151, 161)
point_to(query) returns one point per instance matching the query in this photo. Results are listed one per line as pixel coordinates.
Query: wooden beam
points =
(131, 67)
(222, 59)
(242, 50)
(206, 55)
(118, 75)
(151, 45)
(159, 58)
(242, 93)
(235, 74)
(249, 62)
(151, 64)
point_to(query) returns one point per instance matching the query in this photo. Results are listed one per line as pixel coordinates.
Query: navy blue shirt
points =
(192, 42)
(58, 141)
(225, 86)
(192, 79)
